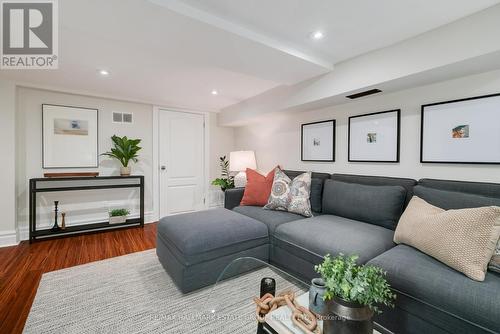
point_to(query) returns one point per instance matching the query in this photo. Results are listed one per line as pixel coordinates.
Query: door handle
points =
(163, 168)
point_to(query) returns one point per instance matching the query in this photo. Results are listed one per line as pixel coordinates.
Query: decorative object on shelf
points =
(301, 316)
(118, 216)
(84, 174)
(56, 211)
(63, 220)
(239, 161)
(226, 181)
(465, 131)
(375, 137)
(317, 291)
(124, 150)
(318, 141)
(353, 294)
(69, 137)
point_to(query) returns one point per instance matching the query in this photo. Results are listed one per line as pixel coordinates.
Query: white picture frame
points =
(318, 141)
(465, 131)
(69, 137)
(374, 137)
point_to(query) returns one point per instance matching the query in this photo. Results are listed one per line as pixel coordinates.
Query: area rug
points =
(134, 294)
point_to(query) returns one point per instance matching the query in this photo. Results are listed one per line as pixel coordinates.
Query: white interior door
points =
(182, 162)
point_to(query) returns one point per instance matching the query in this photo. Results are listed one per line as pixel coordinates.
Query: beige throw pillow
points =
(463, 239)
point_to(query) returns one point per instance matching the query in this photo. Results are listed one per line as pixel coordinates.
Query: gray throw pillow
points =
(290, 195)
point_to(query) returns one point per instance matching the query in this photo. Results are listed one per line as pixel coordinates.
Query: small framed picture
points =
(70, 137)
(465, 131)
(318, 141)
(374, 137)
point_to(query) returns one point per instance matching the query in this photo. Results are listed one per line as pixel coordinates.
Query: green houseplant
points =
(226, 181)
(353, 293)
(118, 216)
(124, 150)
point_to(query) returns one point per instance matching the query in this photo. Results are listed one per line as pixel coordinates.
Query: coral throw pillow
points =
(258, 188)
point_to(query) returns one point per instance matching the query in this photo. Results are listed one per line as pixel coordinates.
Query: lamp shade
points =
(239, 161)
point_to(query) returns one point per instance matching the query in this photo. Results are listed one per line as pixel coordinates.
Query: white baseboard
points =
(8, 238)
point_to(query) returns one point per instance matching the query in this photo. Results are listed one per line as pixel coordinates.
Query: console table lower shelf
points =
(85, 228)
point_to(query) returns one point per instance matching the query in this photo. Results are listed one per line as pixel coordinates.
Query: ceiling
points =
(175, 53)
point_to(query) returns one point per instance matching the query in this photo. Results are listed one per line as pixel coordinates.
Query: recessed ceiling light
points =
(317, 35)
(104, 73)
(214, 92)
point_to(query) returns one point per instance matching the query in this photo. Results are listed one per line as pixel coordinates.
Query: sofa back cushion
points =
(447, 200)
(378, 205)
(368, 180)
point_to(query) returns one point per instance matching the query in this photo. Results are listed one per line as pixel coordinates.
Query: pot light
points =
(317, 35)
(104, 73)
(214, 92)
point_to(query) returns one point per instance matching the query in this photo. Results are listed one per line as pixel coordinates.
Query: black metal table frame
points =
(34, 234)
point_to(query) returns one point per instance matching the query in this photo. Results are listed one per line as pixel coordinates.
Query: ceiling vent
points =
(122, 117)
(366, 93)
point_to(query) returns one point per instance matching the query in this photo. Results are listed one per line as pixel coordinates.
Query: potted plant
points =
(118, 216)
(124, 150)
(353, 293)
(226, 181)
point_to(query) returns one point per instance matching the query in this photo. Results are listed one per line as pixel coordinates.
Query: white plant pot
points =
(125, 171)
(117, 219)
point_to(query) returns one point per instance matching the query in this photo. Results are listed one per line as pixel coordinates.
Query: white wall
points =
(93, 206)
(8, 169)
(276, 139)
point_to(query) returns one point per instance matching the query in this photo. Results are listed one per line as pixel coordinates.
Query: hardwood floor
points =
(22, 266)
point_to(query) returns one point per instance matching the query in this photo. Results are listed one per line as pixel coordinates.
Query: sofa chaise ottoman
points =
(194, 248)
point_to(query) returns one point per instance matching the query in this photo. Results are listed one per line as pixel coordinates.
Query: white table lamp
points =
(239, 161)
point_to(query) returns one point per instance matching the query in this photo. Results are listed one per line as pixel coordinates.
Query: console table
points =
(41, 185)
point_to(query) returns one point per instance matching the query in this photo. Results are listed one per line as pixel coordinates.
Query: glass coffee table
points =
(231, 308)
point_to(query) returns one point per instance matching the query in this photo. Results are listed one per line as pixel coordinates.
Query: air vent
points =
(366, 93)
(121, 117)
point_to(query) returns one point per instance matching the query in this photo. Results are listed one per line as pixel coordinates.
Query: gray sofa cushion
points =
(477, 188)
(426, 279)
(368, 180)
(205, 235)
(379, 205)
(454, 200)
(316, 196)
(313, 238)
(271, 218)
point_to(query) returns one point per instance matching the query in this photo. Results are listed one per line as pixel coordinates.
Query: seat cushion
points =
(313, 238)
(205, 235)
(271, 218)
(379, 205)
(426, 279)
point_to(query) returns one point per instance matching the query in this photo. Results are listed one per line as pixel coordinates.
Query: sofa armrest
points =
(232, 197)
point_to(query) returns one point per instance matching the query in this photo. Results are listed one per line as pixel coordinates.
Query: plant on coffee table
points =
(362, 284)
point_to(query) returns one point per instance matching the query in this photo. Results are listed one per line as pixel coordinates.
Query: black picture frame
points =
(43, 137)
(422, 132)
(398, 135)
(333, 141)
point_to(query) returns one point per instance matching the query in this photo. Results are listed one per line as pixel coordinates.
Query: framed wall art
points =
(318, 141)
(374, 137)
(69, 137)
(465, 131)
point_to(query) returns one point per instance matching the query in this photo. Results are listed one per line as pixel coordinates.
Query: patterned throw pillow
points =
(494, 264)
(292, 196)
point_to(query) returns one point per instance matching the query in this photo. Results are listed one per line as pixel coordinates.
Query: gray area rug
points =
(134, 294)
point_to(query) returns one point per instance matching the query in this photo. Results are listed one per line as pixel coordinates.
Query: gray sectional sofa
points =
(352, 215)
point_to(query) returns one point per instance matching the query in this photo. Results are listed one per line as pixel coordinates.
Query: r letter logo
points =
(29, 34)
